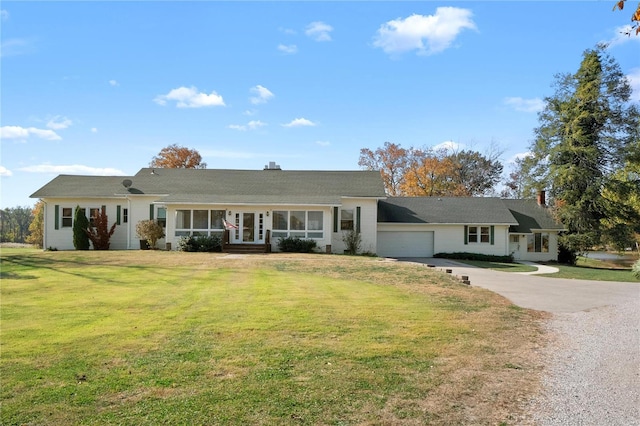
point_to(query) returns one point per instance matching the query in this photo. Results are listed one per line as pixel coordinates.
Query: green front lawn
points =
(151, 337)
(592, 273)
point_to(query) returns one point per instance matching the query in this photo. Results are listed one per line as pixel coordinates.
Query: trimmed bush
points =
(80, 226)
(475, 256)
(636, 269)
(201, 243)
(296, 245)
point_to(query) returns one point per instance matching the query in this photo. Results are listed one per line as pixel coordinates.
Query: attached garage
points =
(405, 244)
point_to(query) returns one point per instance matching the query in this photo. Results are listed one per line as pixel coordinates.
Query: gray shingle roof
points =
(441, 210)
(224, 186)
(530, 216)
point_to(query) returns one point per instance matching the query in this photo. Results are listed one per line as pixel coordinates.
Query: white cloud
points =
(75, 169)
(319, 31)
(262, 95)
(252, 125)
(621, 35)
(299, 122)
(17, 132)
(4, 14)
(525, 105)
(448, 146)
(634, 79)
(58, 122)
(519, 156)
(189, 97)
(15, 47)
(289, 49)
(323, 143)
(114, 83)
(94, 130)
(4, 172)
(287, 31)
(439, 31)
(249, 112)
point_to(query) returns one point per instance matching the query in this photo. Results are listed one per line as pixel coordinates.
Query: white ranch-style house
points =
(264, 205)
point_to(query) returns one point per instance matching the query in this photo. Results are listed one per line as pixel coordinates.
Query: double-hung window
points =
(346, 219)
(479, 234)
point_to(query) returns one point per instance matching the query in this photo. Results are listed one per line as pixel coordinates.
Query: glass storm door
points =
(250, 228)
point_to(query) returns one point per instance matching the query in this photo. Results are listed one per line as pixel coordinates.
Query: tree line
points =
(433, 172)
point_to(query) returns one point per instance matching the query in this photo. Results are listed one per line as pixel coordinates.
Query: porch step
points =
(245, 248)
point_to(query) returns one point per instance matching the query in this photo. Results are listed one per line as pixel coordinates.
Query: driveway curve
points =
(555, 295)
(592, 374)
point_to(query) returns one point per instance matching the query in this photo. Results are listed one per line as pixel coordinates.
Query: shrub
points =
(201, 243)
(100, 234)
(352, 241)
(151, 231)
(80, 226)
(636, 269)
(475, 256)
(296, 245)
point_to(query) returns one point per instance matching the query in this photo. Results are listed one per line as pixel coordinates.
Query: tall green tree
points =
(80, 226)
(586, 132)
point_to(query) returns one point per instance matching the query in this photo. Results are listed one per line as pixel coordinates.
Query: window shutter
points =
(358, 219)
(104, 209)
(492, 234)
(57, 216)
(466, 235)
(335, 219)
(151, 211)
(117, 215)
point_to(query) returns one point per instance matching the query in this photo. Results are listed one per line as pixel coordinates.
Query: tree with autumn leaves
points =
(178, 157)
(427, 172)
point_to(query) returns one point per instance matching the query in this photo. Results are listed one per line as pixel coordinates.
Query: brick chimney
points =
(542, 198)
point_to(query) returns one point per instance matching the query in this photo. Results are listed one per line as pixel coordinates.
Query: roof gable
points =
(531, 216)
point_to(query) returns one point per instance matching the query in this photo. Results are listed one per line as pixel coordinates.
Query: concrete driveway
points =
(554, 295)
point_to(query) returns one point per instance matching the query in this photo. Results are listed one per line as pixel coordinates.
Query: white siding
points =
(368, 224)
(520, 252)
(450, 238)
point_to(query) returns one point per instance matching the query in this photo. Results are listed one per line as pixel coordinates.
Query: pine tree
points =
(80, 226)
(586, 131)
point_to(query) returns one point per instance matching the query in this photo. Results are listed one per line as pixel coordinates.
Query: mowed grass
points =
(150, 337)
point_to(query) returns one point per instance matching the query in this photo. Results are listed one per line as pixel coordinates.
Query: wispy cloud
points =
(252, 125)
(622, 35)
(4, 14)
(323, 143)
(289, 49)
(426, 34)
(189, 97)
(319, 31)
(299, 122)
(114, 83)
(94, 130)
(634, 80)
(448, 146)
(287, 31)
(58, 122)
(75, 169)
(4, 172)
(15, 47)
(525, 105)
(262, 95)
(519, 156)
(17, 132)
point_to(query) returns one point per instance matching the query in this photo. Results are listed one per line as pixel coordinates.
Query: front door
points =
(250, 228)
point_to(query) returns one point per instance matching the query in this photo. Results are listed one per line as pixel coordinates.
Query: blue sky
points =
(101, 87)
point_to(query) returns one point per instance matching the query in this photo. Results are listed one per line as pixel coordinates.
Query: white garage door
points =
(405, 243)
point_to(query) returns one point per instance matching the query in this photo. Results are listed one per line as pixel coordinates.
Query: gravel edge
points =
(592, 374)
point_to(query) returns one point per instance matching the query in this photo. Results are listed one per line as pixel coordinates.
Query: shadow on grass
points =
(62, 266)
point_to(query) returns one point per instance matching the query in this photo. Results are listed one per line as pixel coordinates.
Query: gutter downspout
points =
(44, 225)
(128, 222)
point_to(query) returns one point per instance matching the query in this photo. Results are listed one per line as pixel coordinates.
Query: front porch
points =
(246, 248)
